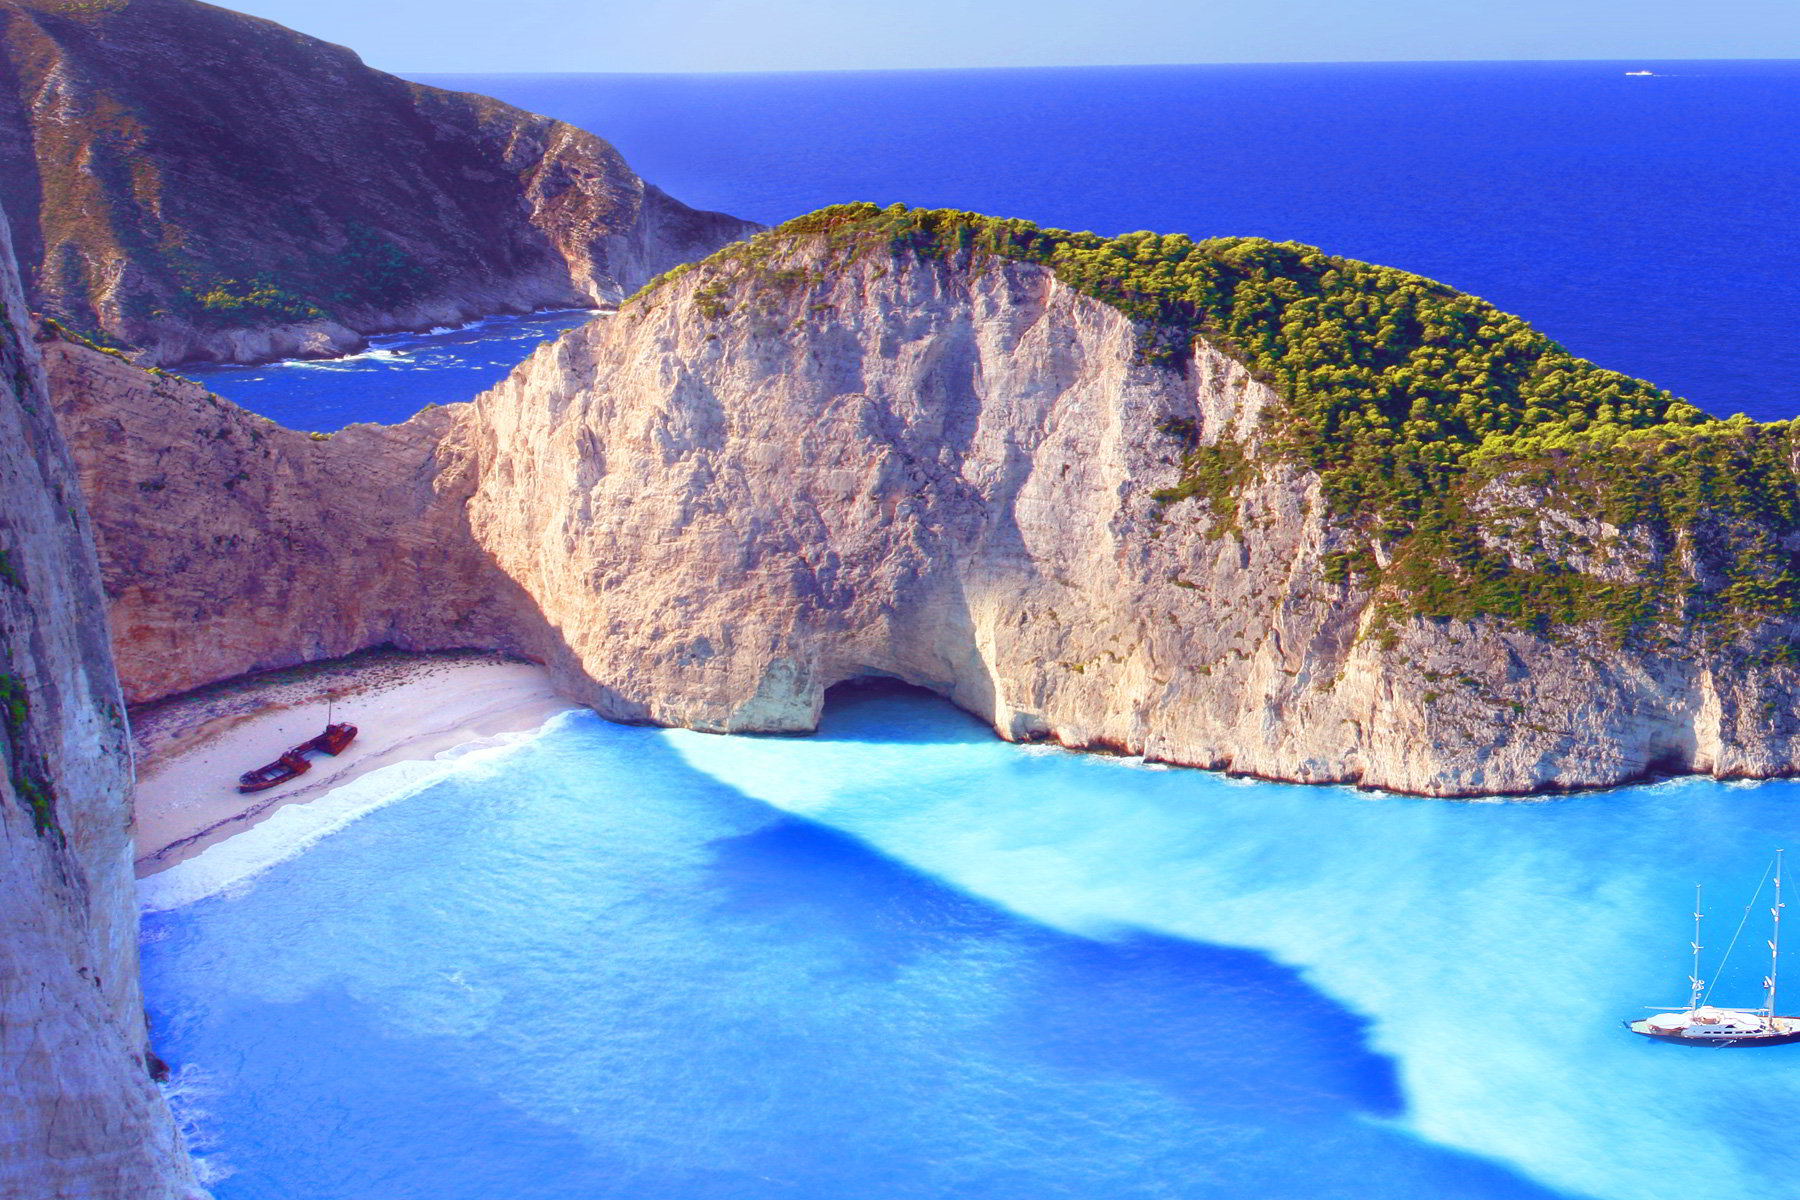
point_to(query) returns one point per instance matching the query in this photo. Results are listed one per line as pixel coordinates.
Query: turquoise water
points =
(904, 959)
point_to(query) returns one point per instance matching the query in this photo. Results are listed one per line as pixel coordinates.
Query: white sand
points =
(406, 707)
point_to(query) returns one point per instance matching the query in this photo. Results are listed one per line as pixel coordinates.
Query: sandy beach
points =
(191, 749)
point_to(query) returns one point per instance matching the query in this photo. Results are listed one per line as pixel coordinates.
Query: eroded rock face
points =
(743, 489)
(230, 544)
(729, 501)
(79, 1114)
(205, 185)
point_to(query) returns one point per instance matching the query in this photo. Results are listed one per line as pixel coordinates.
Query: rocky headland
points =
(196, 184)
(1232, 504)
(80, 1115)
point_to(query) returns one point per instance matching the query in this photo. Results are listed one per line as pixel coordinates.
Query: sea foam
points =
(231, 865)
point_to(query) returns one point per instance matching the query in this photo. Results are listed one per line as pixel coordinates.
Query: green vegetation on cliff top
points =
(1481, 457)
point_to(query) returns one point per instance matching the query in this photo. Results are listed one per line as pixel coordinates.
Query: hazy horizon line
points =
(1299, 62)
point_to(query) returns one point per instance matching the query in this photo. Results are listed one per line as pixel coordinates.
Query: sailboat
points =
(1703, 1024)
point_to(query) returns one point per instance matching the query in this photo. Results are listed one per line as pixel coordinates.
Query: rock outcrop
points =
(230, 544)
(816, 460)
(204, 185)
(79, 1114)
(727, 502)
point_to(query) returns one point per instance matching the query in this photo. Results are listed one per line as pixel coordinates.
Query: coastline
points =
(364, 340)
(190, 749)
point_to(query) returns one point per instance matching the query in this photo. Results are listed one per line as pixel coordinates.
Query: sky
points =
(425, 36)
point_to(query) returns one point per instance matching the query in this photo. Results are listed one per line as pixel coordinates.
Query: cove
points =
(903, 958)
(398, 374)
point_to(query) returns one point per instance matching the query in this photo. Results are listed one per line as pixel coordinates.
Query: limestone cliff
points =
(79, 1114)
(824, 458)
(210, 186)
(853, 448)
(229, 544)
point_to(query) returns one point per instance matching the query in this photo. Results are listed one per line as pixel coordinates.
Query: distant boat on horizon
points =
(1640, 72)
(1702, 1024)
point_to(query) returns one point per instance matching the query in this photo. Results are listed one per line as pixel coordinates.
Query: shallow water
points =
(904, 959)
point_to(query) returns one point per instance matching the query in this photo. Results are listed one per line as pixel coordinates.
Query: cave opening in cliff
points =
(877, 685)
(877, 707)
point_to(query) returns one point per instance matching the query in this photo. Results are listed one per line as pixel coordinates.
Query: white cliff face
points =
(751, 485)
(79, 1115)
(727, 500)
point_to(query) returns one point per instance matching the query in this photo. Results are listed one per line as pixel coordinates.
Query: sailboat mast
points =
(1775, 935)
(1694, 976)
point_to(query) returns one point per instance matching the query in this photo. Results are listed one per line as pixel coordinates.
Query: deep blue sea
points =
(1647, 223)
(398, 374)
(902, 959)
(905, 960)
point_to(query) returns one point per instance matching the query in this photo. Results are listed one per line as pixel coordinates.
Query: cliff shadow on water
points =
(1241, 1041)
(713, 997)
